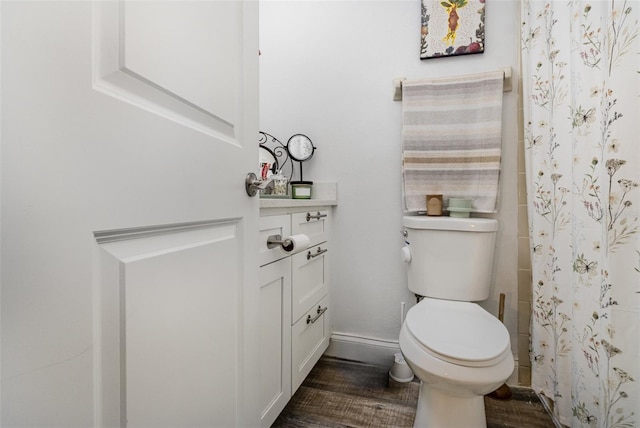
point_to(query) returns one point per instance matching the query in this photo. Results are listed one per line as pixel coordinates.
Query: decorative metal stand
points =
(274, 150)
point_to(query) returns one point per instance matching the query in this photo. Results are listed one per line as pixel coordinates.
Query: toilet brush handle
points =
(501, 308)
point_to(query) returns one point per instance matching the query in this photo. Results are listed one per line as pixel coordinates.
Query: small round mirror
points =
(300, 148)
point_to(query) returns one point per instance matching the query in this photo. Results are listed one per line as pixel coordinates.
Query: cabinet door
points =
(314, 224)
(275, 339)
(310, 338)
(309, 278)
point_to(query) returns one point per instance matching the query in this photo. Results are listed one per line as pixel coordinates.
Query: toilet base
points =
(437, 409)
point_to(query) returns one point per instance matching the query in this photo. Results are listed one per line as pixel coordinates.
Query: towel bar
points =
(397, 84)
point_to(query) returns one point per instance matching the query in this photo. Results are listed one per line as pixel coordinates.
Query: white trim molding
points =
(379, 352)
(365, 349)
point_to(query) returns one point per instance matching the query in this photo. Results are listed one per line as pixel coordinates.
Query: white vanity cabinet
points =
(294, 294)
(309, 296)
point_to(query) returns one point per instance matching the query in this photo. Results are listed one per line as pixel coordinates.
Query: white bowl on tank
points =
(459, 351)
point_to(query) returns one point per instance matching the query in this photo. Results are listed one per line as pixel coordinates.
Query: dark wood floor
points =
(340, 394)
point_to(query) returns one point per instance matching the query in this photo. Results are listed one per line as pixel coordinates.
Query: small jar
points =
(280, 184)
(301, 189)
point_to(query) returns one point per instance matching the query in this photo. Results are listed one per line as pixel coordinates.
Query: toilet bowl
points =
(460, 352)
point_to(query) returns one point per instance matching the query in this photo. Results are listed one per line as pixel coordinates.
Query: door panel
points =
(178, 327)
(143, 56)
(159, 55)
(105, 146)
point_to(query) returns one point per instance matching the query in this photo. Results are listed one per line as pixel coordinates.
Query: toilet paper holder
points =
(274, 241)
(290, 244)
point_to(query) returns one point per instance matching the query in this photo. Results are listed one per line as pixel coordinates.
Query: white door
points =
(129, 249)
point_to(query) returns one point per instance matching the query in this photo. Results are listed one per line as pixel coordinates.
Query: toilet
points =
(458, 350)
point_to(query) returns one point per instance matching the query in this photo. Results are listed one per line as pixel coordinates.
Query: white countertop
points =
(322, 194)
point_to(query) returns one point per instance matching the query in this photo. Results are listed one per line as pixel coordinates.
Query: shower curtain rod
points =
(397, 84)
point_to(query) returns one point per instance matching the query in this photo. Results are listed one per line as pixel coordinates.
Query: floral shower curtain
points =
(581, 74)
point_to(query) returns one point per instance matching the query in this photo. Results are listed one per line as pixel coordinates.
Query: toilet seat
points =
(460, 333)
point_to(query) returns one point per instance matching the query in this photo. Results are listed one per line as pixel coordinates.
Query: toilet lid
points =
(459, 332)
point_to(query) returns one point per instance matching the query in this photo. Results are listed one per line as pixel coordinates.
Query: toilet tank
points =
(451, 258)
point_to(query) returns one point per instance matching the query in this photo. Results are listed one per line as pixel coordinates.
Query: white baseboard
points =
(379, 352)
(368, 350)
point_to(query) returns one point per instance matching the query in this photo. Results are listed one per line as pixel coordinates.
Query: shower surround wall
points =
(326, 71)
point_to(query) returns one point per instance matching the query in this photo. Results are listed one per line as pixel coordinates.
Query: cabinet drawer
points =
(309, 340)
(309, 279)
(314, 224)
(273, 225)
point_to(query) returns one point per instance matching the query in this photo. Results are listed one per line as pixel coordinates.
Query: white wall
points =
(326, 71)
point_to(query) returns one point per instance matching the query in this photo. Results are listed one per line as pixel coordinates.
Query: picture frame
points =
(451, 28)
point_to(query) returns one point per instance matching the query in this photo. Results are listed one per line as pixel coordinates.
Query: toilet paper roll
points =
(295, 243)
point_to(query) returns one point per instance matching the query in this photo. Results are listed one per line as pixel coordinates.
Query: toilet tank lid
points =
(451, 223)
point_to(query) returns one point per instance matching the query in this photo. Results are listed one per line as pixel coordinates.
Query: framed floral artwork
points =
(451, 27)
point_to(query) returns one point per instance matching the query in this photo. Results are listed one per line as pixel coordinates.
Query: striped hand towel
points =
(451, 139)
